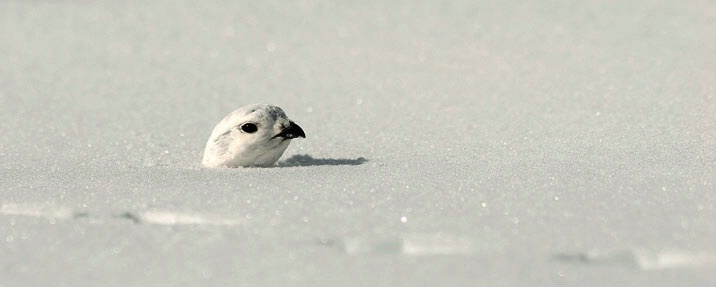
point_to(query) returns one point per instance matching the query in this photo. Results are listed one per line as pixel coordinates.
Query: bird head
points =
(254, 135)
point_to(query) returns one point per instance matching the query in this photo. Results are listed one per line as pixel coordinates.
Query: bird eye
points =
(249, 128)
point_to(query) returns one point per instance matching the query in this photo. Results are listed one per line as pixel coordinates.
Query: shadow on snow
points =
(307, 160)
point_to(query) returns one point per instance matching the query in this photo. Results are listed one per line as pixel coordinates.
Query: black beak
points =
(292, 132)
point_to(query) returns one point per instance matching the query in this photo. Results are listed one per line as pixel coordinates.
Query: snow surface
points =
(519, 143)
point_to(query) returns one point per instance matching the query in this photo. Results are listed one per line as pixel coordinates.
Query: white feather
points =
(230, 146)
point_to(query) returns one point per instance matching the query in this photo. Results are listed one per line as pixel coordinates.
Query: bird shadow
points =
(307, 160)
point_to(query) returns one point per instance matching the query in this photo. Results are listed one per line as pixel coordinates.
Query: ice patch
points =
(54, 212)
(641, 260)
(178, 218)
(42, 210)
(436, 244)
(412, 245)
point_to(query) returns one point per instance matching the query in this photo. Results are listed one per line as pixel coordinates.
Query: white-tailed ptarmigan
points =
(251, 136)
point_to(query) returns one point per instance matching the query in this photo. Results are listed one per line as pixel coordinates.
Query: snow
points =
(463, 143)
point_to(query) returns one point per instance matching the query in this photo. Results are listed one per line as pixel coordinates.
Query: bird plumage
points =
(251, 136)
